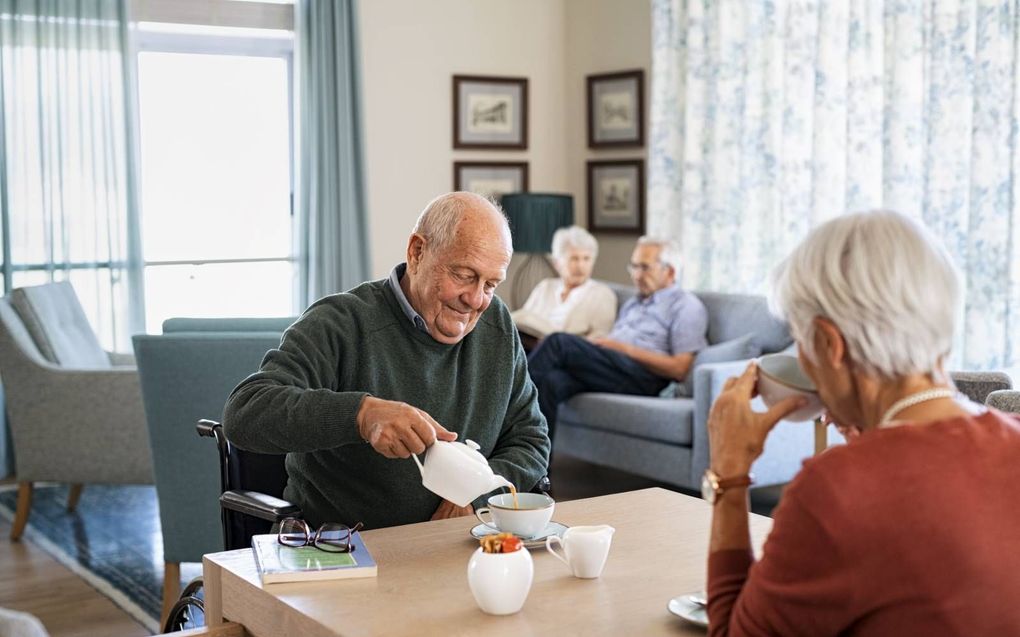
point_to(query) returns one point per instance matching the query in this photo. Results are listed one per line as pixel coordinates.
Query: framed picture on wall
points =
(490, 112)
(616, 196)
(490, 179)
(616, 109)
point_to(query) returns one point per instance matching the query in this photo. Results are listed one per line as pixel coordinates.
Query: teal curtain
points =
(67, 187)
(331, 194)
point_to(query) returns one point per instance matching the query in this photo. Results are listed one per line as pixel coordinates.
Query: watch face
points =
(707, 489)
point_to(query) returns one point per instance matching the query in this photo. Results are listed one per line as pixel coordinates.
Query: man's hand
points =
(448, 509)
(737, 434)
(609, 343)
(396, 430)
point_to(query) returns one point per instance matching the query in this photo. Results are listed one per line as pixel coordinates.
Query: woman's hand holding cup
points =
(737, 433)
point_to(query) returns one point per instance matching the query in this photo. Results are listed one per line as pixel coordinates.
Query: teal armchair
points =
(186, 374)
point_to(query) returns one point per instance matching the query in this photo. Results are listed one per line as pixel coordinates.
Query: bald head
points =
(458, 253)
(462, 216)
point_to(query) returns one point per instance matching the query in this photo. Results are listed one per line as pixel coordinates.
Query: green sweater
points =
(305, 398)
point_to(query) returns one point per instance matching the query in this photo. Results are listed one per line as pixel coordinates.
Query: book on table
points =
(279, 563)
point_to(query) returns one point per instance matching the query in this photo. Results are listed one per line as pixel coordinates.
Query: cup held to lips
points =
(780, 376)
(529, 520)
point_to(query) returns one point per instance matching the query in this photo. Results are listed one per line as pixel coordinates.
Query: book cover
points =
(279, 563)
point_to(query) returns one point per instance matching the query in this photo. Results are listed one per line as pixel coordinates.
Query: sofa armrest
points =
(787, 446)
(709, 379)
(1007, 400)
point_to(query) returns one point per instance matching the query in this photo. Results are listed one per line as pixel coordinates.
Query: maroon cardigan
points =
(909, 530)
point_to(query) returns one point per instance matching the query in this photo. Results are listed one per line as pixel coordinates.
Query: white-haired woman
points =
(572, 303)
(913, 527)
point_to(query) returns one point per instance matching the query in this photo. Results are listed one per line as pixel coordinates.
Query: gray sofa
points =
(664, 437)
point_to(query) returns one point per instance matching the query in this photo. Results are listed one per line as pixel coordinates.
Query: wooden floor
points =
(32, 581)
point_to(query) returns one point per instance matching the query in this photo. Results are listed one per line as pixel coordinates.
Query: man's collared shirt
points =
(412, 315)
(670, 321)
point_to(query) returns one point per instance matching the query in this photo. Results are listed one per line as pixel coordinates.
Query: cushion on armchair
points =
(53, 316)
(737, 349)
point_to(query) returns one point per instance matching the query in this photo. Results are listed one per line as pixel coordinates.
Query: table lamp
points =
(534, 217)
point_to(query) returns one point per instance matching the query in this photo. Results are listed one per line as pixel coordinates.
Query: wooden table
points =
(658, 552)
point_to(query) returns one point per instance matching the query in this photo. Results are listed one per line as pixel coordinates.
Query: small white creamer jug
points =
(457, 472)
(586, 549)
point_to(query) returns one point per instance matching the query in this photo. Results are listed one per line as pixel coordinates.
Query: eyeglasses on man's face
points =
(635, 268)
(331, 537)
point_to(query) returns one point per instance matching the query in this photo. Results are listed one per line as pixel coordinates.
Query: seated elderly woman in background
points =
(913, 527)
(573, 303)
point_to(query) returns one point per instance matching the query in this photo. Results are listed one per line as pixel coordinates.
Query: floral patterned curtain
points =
(769, 117)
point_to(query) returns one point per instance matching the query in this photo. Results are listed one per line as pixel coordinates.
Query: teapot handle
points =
(421, 469)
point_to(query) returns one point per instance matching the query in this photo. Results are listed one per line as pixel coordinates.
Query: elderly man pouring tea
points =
(367, 378)
(913, 527)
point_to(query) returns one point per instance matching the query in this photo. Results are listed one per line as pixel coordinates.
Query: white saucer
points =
(553, 528)
(689, 611)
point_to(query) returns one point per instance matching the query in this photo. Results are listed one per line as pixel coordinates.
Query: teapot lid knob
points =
(472, 444)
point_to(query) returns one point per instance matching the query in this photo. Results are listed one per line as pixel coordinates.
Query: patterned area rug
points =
(112, 541)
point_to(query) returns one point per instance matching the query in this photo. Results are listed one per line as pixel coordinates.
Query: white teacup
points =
(780, 376)
(529, 520)
(586, 549)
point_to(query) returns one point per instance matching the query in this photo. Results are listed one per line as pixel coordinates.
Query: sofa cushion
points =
(731, 316)
(54, 317)
(736, 349)
(648, 417)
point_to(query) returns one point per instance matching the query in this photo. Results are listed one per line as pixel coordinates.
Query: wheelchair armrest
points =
(544, 486)
(259, 505)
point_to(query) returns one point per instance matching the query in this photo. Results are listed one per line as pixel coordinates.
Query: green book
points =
(279, 563)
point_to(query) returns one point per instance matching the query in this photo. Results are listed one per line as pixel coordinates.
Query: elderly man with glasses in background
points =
(653, 341)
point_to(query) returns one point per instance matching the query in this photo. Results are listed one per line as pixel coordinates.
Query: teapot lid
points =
(470, 449)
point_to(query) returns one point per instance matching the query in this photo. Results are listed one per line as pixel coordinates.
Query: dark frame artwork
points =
(461, 168)
(616, 109)
(616, 196)
(490, 112)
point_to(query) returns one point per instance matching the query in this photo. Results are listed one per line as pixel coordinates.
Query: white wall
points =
(603, 36)
(410, 51)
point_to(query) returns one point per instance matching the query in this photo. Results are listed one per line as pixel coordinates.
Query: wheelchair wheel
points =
(189, 611)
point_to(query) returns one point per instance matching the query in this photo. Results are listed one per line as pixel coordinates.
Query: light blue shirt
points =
(670, 321)
(412, 315)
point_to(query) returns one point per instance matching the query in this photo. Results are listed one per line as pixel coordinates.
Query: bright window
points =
(216, 177)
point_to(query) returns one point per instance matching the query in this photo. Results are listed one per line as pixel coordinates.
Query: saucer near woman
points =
(573, 302)
(913, 527)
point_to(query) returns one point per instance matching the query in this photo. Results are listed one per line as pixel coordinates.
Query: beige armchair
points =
(75, 415)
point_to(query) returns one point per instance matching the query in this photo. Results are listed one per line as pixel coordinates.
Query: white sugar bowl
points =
(500, 582)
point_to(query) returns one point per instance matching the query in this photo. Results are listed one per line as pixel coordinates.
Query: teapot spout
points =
(499, 481)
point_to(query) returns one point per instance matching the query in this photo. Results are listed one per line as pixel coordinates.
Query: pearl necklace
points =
(913, 399)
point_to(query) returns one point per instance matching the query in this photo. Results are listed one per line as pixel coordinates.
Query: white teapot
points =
(457, 472)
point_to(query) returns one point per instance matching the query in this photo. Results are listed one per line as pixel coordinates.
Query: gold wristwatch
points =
(712, 486)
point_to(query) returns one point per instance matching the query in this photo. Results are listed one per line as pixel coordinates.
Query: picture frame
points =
(490, 112)
(616, 109)
(489, 178)
(616, 196)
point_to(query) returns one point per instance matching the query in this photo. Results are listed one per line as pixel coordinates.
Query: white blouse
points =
(588, 310)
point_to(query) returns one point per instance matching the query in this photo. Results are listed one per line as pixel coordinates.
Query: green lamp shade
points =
(535, 217)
